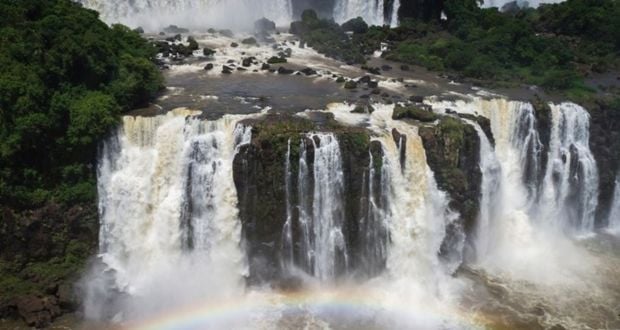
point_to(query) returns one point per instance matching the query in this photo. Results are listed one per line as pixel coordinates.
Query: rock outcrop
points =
(259, 174)
(42, 252)
(453, 153)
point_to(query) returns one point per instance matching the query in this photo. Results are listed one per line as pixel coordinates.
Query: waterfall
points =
(490, 198)
(571, 181)
(394, 13)
(168, 210)
(374, 233)
(371, 11)
(614, 213)
(287, 232)
(322, 246)
(198, 14)
(521, 3)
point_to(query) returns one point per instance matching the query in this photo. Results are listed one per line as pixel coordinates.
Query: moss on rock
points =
(413, 112)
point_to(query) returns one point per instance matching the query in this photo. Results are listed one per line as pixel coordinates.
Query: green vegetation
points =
(65, 78)
(330, 39)
(554, 46)
(412, 112)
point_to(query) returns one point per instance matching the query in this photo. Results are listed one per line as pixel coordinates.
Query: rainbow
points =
(361, 309)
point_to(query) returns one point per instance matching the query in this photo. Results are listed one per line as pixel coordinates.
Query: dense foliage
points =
(65, 78)
(554, 46)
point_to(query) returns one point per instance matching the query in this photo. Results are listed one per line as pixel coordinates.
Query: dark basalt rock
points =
(193, 44)
(226, 69)
(416, 99)
(276, 60)
(208, 52)
(404, 67)
(173, 29)
(249, 41)
(355, 25)
(484, 123)
(363, 107)
(31, 244)
(264, 25)
(248, 61)
(605, 143)
(340, 80)
(308, 71)
(414, 112)
(209, 66)
(386, 67)
(227, 33)
(373, 84)
(351, 84)
(452, 152)
(283, 70)
(259, 175)
(265, 66)
(364, 80)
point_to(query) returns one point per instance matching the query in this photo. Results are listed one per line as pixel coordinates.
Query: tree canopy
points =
(65, 77)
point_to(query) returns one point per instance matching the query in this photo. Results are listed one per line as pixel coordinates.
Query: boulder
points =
(37, 311)
(363, 107)
(227, 33)
(247, 61)
(193, 44)
(373, 84)
(309, 16)
(265, 66)
(209, 66)
(249, 41)
(276, 60)
(340, 80)
(364, 80)
(226, 69)
(404, 67)
(283, 70)
(234, 45)
(208, 52)
(415, 113)
(264, 25)
(386, 67)
(351, 84)
(308, 71)
(355, 25)
(416, 99)
(173, 29)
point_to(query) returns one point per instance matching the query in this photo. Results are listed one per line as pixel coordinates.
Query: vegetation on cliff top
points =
(65, 78)
(554, 46)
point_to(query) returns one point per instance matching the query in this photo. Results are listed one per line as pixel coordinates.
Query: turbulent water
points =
(522, 3)
(614, 213)
(321, 216)
(374, 12)
(198, 14)
(172, 243)
(168, 211)
(239, 14)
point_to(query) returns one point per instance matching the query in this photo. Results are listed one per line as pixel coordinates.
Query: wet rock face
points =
(453, 153)
(259, 175)
(42, 253)
(605, 146)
